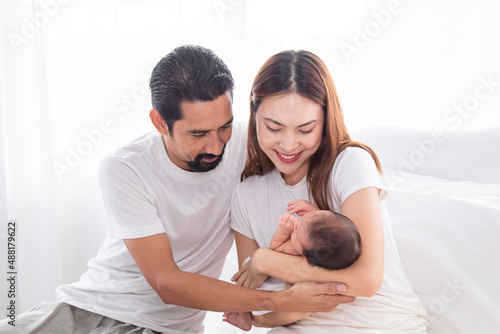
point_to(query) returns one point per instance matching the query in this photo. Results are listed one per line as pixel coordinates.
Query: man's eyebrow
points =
(194, 132)
(197, 131)
(299, 126)
(228, 122)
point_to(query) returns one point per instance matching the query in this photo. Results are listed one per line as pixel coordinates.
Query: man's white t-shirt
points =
(259, 201)
(144, 194)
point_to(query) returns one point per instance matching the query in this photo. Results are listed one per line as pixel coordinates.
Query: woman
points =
(299, 148)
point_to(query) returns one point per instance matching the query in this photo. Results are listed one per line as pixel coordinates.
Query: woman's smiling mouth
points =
(287, 158)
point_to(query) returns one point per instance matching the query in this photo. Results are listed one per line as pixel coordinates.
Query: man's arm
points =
(153, 255)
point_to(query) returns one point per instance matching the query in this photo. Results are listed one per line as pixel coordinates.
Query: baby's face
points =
(300, 235)
(295, 237)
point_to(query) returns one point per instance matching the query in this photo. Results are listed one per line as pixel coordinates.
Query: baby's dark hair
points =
(333, 242)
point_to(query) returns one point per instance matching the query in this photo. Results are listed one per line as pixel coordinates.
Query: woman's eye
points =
(306, 131)
(271, 129)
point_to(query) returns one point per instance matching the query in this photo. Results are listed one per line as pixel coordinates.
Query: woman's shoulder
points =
(354, 156)
(354, 169)
(353, 151)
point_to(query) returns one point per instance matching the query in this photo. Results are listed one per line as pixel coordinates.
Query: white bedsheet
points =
(448, 236)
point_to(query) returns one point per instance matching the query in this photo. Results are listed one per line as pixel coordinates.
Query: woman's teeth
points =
(288, 156)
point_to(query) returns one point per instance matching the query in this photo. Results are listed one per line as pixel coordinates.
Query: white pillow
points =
(458, 155)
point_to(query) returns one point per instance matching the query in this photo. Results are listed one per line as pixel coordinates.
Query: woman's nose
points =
(289, 143)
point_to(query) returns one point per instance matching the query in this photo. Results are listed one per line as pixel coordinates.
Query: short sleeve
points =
(355, 169)
(131, 211)
(240, 221)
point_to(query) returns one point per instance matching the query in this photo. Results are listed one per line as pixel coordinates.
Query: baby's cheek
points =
(296, 225)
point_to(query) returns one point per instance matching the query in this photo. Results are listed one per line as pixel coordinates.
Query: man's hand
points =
(301, 207)
(311, 297)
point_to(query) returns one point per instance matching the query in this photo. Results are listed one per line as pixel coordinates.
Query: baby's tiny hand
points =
(287, 223)
(301, 207)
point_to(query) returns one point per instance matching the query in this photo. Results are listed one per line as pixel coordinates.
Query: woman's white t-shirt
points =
(144, 194)
(256, 207)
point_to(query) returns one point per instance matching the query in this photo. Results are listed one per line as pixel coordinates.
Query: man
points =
(166, 195)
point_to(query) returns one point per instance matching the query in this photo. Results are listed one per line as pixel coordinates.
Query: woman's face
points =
(289, 129)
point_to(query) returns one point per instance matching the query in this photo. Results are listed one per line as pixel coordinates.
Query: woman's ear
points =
(158, 122)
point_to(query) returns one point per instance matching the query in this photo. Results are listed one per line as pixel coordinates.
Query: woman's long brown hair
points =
(305, 74)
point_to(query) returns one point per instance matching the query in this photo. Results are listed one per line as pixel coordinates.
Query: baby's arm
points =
(281, 238)
(301, 207)
(275, 319)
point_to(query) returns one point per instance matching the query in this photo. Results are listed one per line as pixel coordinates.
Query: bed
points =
(444, 202)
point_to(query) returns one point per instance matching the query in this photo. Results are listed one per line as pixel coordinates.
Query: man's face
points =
(198, 140)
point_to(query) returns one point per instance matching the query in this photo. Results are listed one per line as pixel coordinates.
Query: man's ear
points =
(158, 122)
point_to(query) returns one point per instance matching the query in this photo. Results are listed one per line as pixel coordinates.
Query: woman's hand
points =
(248, 275)
(301, 207)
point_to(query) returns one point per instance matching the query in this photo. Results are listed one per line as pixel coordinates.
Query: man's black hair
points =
(189, 73)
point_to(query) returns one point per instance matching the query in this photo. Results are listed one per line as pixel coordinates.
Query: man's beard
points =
(197, 165)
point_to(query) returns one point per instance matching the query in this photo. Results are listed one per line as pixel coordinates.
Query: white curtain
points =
(74, 86)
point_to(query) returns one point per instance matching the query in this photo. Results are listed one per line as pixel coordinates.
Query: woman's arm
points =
(246, 248)
(363, 278)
